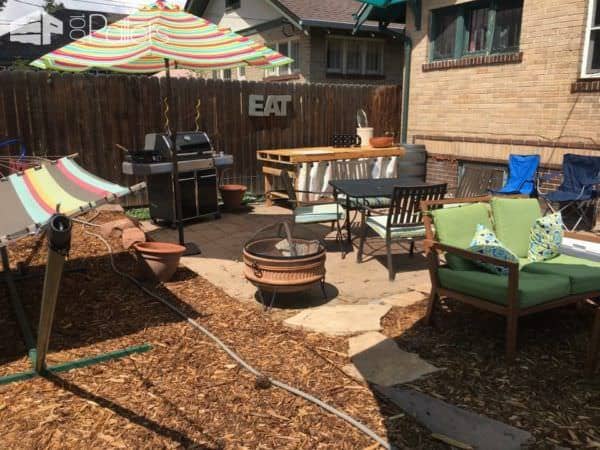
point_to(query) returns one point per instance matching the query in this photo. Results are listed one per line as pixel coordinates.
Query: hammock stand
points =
(58, 228)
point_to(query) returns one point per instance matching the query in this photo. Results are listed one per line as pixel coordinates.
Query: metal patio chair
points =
(402, 221)
(323, 210)
(577, 194)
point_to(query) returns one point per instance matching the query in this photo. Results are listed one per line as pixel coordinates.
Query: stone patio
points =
(348, 283)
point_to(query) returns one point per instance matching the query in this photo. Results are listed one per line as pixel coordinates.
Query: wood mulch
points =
(186, 393)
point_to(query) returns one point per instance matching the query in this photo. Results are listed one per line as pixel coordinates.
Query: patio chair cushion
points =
(456, 227)
(583, 274)
(545, 238)
(371, 202)
(513, 219)
(379, 224)
(486, 243)
(318, 213)
(534, 289)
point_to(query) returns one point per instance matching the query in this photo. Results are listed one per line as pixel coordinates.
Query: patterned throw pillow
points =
(486, 243)
(545, 238)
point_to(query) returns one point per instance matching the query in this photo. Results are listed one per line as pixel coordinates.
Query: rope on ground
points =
(355, 423)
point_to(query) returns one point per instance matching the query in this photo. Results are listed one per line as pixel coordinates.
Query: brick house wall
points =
(528, 102)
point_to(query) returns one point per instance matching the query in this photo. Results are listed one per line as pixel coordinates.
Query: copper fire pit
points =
(275, 261)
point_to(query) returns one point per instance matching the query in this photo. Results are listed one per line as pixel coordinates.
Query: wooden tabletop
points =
(314, 154)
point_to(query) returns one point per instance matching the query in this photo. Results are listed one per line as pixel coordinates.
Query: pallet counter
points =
(275, 161)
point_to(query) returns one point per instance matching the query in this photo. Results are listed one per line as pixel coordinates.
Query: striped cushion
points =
(326, 212)
(379, 223)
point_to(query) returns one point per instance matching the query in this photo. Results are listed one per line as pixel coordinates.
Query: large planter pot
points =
(233, 195)
(160, 258)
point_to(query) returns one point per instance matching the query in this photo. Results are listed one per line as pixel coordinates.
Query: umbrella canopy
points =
(141, 42)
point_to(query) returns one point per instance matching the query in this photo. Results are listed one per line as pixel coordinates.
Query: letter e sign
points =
(273, 105)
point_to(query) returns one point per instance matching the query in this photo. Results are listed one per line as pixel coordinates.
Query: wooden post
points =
(59, 242)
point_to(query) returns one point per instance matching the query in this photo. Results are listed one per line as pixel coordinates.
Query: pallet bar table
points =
(276, 161)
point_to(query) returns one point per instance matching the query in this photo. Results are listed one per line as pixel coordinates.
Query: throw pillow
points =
(486, 243)
(545, 238)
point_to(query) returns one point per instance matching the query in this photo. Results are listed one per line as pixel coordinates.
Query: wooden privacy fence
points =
(60, 114)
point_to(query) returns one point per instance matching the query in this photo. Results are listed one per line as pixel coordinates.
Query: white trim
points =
(287, 69)
(586, 60)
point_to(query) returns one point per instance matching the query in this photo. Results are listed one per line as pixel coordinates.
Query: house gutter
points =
(406, 88)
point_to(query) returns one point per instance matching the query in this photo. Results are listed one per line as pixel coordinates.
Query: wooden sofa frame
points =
(512, 311)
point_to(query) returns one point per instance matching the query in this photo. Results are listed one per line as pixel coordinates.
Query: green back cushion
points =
(513, 219)
(456, 227)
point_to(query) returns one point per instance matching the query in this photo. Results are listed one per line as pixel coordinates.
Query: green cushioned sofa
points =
(529, 287)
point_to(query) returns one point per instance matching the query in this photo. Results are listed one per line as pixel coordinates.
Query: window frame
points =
(461, 39)
(364, 44)
(593, 6)
(287, 69)
(232, 5)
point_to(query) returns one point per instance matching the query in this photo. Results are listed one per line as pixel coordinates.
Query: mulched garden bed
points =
(186, 393)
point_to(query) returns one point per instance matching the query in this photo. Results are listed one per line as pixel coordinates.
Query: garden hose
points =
(238, 359)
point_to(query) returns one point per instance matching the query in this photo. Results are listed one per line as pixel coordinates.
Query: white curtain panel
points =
(302, 181)
(391, 170)
(378, 168)
(314, 183)
(327, 171)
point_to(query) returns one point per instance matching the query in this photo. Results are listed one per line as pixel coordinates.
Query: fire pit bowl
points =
(280, 259)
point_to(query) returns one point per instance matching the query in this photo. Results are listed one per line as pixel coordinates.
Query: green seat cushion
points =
(534, 289)
(584, 274)
(371, 202)
(379, 223)
(513, 219)
(456, 227)
(325, 212)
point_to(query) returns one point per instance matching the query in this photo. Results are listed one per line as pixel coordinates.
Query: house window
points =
(232, 4)
(354, 56)
(286, 48)
(591, 52)
(477, 28)
(241, 73)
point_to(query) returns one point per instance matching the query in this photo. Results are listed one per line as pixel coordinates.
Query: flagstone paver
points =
(404, 299)
(378, 359)
(340, 319)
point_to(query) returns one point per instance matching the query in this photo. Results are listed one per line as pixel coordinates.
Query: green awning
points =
(386, 12)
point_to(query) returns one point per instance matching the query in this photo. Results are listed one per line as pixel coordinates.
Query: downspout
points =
(405, 88)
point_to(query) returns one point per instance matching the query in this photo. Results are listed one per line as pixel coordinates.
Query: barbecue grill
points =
(197, 164)
(284, 258)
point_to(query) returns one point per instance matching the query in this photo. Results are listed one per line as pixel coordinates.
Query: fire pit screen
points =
(284, 258)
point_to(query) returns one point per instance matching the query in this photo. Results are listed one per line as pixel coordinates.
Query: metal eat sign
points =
(272, 105)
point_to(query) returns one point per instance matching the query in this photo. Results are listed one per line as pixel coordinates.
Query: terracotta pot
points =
(161, 258)
(233, 195)
(381, 142)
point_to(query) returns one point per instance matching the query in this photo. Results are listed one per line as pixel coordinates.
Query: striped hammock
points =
(31, 197)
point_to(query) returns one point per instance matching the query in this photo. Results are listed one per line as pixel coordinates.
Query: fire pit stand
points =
(281, 258)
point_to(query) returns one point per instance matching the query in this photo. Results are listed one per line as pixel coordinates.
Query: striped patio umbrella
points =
(161, 36)
(141, 42)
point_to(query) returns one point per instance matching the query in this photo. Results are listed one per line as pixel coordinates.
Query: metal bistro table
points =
(358, 192)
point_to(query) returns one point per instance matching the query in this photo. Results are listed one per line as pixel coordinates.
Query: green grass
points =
(139, 213)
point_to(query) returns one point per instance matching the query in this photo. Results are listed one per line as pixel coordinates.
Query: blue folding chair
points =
(521, 175)
(577, 193)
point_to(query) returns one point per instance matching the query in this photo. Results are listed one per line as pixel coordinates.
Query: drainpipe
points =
(405, 88)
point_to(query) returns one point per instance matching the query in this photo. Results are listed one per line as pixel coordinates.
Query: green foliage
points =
(52, 6)
(139, 213)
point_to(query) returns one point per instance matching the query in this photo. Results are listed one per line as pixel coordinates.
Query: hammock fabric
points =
(141, 42)
(31, 197)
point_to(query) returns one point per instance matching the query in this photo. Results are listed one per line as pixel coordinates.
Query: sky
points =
(18, 8)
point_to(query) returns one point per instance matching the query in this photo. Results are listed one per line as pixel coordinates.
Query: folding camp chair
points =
(577, 193)
(521, 175)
